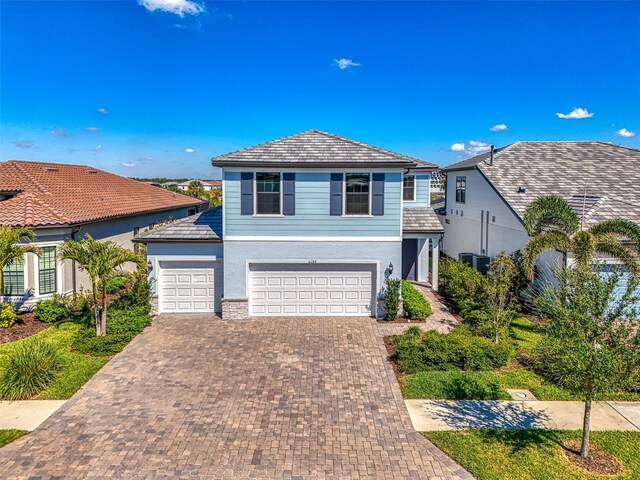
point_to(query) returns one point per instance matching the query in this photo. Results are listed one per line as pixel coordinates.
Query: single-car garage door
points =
(188, 286)
(313, 289)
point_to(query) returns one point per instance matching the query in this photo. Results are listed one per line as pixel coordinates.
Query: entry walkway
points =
(433, 415)
(26, 414)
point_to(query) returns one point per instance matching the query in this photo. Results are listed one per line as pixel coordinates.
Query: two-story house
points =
(311, 225)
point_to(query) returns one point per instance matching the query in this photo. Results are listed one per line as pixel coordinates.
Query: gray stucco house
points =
(311, 225)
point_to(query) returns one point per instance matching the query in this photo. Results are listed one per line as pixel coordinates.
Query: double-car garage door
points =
(311, 289)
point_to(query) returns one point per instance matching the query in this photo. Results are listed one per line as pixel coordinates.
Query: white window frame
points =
(255, 196)
(415, 187)
(36, 272)
(25, 280)
(344, 195)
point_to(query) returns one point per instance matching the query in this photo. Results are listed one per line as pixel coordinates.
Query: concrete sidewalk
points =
(26, 414)
(433, 415)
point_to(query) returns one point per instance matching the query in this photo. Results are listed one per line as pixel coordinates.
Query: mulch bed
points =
(400, 320)
(25, 326)
(598, 462)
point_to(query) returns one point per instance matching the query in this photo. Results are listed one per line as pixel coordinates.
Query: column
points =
(435, 251)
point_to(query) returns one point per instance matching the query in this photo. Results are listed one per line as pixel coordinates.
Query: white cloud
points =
(501, 127)
(189, 150)
(98, 148)
(623, 132)
(103, 111)
(476, 147)
(145, 159)
(59, 132)
(92, 129)
(345, 63)
(128, 164)
(178, 7)
(23, 143)
(576, 114)
(457, 147)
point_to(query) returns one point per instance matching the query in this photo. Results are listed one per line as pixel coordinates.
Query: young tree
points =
(593, 345)
(12, 248)
(195, 189)
(101, 261)
(214, 197)
(553, 224)
(501, 300)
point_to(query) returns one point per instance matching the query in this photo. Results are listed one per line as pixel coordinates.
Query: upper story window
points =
(268, 200)
(357, 193)
(13, 279)
(461, 189)
(47, 270)
(409, 188)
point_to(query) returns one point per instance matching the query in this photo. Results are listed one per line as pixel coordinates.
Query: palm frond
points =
(611, 246)
(621, 228)
(583, 247)
(540, 243)
(550, 212)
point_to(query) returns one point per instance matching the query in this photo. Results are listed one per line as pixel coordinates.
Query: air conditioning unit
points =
(481, 263)
(466, 258)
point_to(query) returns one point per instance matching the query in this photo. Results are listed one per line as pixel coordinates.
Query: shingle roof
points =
(60, 194)
(608, 175)
(421, 220)
(202, 227)
(314, 148)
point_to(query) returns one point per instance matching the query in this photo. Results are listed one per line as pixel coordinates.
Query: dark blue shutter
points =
(246, 193)
(336, 194)
(377, 201)
(288, 193)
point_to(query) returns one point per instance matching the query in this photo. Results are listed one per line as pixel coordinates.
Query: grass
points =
(533, 454)
(525, 333)
(8, 436)
(78, 368)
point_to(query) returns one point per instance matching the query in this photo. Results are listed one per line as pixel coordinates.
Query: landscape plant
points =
(13, 248)
(592, 345)
(101, 260)
(391, 298)
(414, 303)
(8, 315)
(196, 189)
(500, 298)
(462, 285)
(51, 310)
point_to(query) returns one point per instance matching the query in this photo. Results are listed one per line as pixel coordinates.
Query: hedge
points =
(415, 304)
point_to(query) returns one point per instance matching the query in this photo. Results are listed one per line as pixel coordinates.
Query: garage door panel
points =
(317, 289)
(188, 286)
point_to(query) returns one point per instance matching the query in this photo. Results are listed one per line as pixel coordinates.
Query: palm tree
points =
(101, 261)
(553, 224)
(12, 249)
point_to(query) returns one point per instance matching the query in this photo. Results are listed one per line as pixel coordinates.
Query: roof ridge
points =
(268, 142)
(40, 162)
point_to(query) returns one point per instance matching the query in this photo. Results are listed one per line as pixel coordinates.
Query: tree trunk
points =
(103, 316)
(96, 318)
(584, 448)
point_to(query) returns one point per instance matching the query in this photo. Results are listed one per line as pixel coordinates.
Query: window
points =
(409, 188)
(13, 279)
(268, 193)
(47, 270)
(461, 189)
(357, 194)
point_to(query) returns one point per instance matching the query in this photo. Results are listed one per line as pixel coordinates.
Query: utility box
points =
(466, 258)
(481, 263)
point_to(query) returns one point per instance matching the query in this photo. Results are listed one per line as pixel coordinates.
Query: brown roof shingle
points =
(61, 194)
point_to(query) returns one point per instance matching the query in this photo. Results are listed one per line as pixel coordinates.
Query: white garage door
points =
(312, 289)
(187, 286)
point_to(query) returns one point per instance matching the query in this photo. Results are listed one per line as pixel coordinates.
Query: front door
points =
(409, 258)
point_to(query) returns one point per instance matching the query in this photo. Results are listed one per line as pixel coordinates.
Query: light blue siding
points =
(312, 218)
(422, 192)
(623, 284)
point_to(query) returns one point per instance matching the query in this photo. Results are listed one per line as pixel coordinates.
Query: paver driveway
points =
(197, 397)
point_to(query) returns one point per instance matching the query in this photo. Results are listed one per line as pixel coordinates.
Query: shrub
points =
(132, 320)
(117, 282)
(85, 341)
(414, 303)
(8, 315)
(455, 351)
(30, 369)
(137, 295)
(462, 285)
(77, 303)
(51, 310)
(391, 298)
(479, 323)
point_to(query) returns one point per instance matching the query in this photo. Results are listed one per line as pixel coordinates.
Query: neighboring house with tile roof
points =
(486, 196)
(61, 202)
(311, 224)
(207, 185)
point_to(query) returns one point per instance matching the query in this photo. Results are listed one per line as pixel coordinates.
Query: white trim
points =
(255, 196)
(185, 258)
(264, 238)
(304, 169)
(36, 270)
(25, 281)
(414, 187)
(344, 195)
(224, 204)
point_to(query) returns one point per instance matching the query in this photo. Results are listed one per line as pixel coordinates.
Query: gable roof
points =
(600, 179)
(51, 194)
(202, 227)
(315, 149)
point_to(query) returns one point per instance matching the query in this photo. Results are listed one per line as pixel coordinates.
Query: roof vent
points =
(92, 171)
(522, 189)
(52, 169)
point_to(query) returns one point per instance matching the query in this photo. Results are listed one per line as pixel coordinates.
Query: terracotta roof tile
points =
(59, 194)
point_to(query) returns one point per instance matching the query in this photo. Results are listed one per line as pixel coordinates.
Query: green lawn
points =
(8, 436)
(533, 454)
(78, 368)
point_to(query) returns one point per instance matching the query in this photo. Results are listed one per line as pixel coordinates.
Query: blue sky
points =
(157, 87)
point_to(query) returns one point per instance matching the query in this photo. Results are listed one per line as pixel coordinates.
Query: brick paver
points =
(198, 397)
